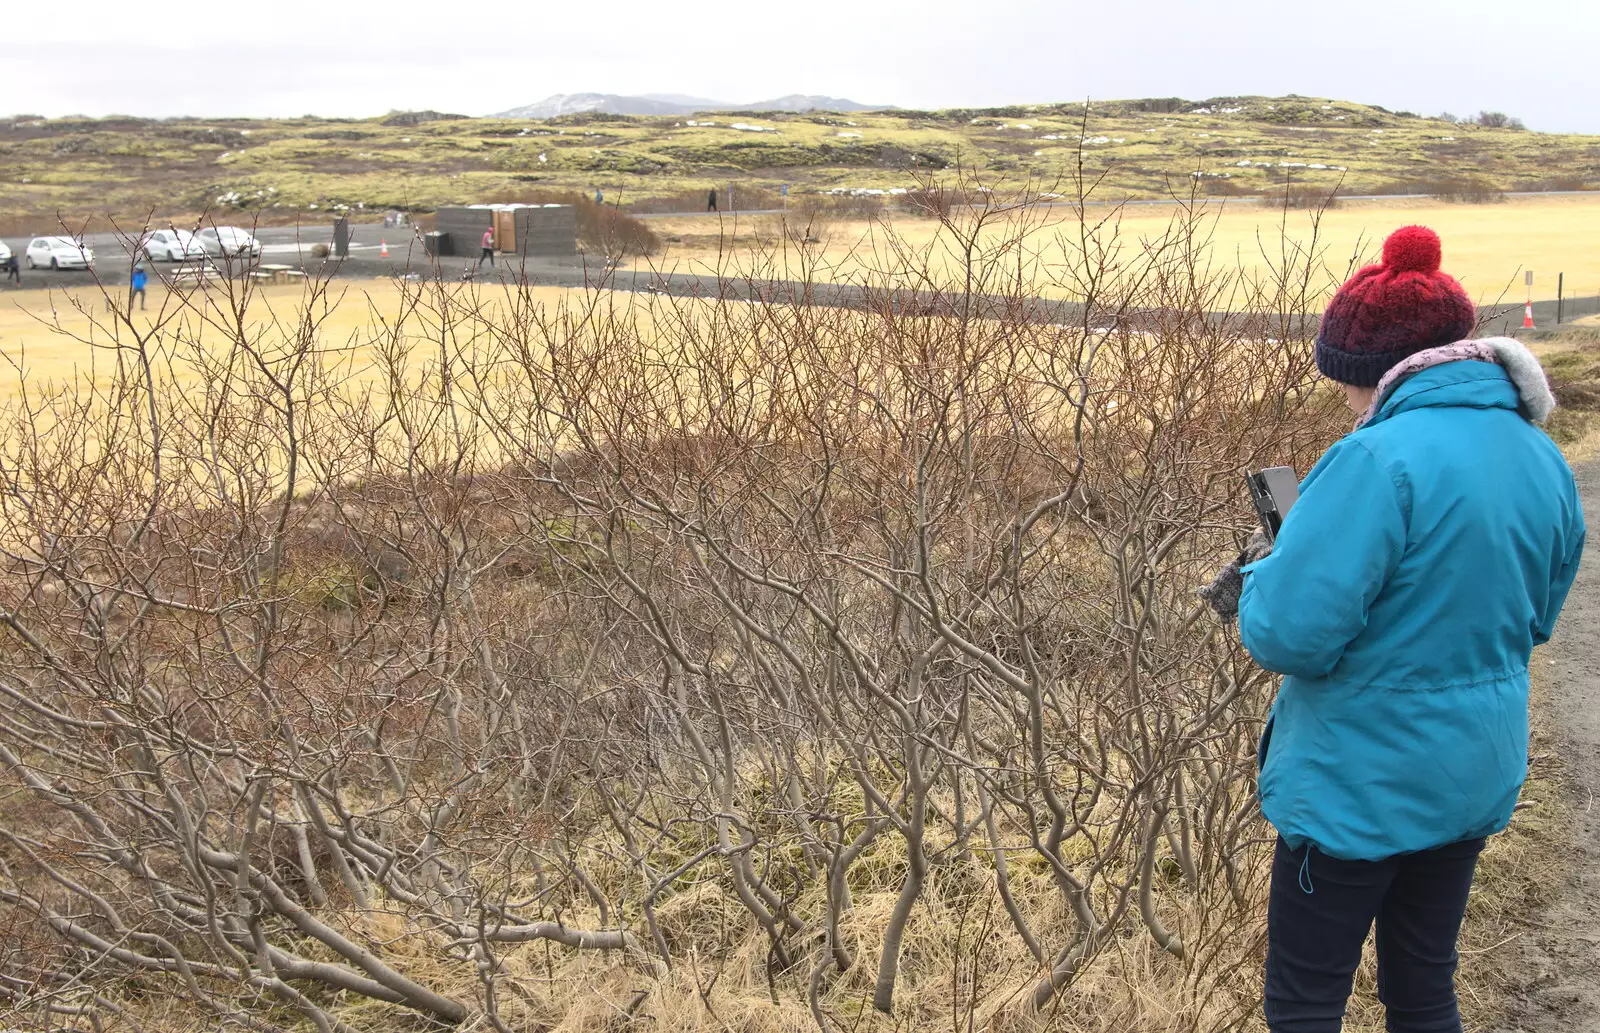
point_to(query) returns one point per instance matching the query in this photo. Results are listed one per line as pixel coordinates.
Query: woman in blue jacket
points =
(1429, 552)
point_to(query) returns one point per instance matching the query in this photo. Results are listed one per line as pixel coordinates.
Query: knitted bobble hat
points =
(1391, 310)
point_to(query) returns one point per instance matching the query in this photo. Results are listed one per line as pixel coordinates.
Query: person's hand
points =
(1223, 591)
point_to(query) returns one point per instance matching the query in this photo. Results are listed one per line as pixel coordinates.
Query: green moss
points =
(1142, 147)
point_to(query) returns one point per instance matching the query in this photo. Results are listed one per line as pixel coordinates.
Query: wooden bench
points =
(280, 273)
(197, 274)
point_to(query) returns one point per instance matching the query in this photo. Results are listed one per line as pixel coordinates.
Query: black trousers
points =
(488, 253)
(1318, 915)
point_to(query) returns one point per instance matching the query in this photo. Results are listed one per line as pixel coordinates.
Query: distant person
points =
(711, 200)
(599, 198)
(13, 270)
(137, 285)
(488, 249)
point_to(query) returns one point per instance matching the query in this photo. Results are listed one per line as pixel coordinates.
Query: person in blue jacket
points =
(1429, 551)
(136, 284)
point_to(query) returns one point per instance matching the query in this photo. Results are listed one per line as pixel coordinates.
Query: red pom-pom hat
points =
(1388, 311)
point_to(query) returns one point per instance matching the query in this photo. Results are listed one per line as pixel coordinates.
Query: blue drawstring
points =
(1305, 872)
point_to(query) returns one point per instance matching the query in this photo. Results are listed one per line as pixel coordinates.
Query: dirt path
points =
(1559, 966)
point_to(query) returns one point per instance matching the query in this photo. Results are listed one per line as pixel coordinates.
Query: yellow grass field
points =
(1487, 246)
(53, 336)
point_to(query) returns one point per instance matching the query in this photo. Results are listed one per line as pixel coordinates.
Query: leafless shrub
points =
(585, 663)
(1559, 183)
(602, 228)
(1460, 190)
(1470, 190)
(938, 199)
(1498, 120)
(842, 205)
(1302, 197)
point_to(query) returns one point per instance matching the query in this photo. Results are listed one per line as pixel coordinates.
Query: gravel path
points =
(1559, 963)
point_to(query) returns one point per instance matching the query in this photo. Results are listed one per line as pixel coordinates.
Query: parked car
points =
(229, 242)
(173, 246)
(5, 253)
(58, 253)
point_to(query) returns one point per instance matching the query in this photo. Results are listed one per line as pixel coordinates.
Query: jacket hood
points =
(1515, 381)
(1507, 376)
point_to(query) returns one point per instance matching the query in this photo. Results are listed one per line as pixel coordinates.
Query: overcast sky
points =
(1535, 59)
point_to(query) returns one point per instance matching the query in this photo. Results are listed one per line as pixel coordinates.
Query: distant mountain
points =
(811, 102)
(697, 103)
(576, 103)
(673, 104)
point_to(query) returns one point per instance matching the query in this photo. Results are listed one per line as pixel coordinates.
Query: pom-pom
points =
(1412, 249)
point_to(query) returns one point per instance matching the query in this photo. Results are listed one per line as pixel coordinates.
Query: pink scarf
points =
(1480, 351)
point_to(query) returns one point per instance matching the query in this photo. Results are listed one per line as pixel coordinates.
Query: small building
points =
(533, 230)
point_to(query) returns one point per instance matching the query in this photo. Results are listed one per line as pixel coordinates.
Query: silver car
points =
(229, 242)
(58, 253)
(172, 246)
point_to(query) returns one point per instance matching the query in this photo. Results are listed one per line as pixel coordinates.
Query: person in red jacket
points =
(488, 249)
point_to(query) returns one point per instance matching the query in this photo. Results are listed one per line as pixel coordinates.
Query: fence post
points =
(1560, 280)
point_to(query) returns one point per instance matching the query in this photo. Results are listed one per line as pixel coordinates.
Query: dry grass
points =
(1571, 356)
(1487, 246)
(963, 962)
(46, 332)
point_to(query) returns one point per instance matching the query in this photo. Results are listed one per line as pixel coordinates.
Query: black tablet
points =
(1273, 491)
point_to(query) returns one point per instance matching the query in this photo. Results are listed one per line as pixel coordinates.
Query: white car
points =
(5, 253)
(173, 246)
(229, 242)
(58, 253)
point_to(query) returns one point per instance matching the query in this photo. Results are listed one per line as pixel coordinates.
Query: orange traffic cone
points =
(383, 249)
(1527, 317)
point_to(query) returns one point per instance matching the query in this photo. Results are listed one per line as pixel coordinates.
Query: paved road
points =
(277, 241)
(286, 245)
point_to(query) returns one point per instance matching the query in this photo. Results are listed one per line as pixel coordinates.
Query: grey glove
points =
(1223, 591)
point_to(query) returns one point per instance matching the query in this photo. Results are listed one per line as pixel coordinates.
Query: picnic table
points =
(280, 273)
(198, 273)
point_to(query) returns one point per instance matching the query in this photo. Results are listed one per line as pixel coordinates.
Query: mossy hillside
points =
(1144, 148)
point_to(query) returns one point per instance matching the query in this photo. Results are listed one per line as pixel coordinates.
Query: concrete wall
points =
(465, 226)
(541, 232)
(547, 232)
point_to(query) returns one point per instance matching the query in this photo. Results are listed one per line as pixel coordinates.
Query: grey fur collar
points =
(1525, 372)
(1523, 369)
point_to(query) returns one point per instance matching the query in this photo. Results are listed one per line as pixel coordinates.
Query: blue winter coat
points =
(1429, 552)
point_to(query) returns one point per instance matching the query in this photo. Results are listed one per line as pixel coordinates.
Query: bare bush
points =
(602, 228)
(1469, 190)
(1498, 120)
(842, 205)
(938, 200)
(1458, 190)
(1560, 183)
(1302, 196)
(582, 663)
